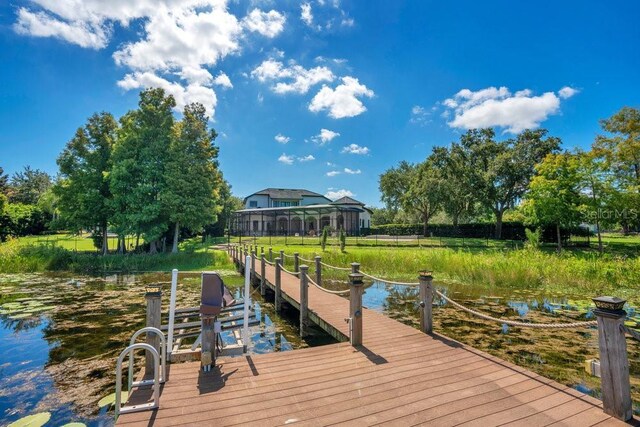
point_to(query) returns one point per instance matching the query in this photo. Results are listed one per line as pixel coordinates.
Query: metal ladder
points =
(159, 372)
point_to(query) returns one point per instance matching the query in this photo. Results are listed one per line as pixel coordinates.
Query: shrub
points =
(343, 239)
(533, 238)
(325, 235)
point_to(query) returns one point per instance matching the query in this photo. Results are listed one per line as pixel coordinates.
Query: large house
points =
(284, 211)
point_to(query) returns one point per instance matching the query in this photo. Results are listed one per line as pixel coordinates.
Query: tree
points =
(139, 160)
(382, 216)
(554, 196)
(498, 173)
(27, 186)
(4, 182)
(85, 164)
(426, 192)
(622, 148)
(193, 181)
(459, 200)
(394, 184)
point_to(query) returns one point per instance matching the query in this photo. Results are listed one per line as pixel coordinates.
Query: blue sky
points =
(348, 88)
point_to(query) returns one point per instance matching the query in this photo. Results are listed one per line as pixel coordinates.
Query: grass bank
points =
(16, 257)
(584, 274)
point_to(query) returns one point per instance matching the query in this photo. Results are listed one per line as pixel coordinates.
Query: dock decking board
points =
(399, 376)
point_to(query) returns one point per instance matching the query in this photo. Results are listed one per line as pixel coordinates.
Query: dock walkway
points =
(399, 376)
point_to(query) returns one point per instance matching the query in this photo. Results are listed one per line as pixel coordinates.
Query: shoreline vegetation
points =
(573, 272)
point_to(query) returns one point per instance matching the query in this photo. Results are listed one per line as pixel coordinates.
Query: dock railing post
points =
(355, 267)
(243, 261)
(253, 267)
(319, 271)
(262, 272)
(296, 262)
(355, 308)
(283, 260)
(614, 362)
(153, 297)
(270, 254)
(208, 353)
(278, 296)
(304, 300)
(426, 301)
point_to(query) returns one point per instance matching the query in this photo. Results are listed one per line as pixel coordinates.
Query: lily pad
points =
(74, 425)
(35, 420)
(20, 316)
(110, 400)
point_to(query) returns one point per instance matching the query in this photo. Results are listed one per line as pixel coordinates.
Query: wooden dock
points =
(399, 376)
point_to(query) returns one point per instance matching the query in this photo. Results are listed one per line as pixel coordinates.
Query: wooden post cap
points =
(609, 306)
(356, 279)
(425, 275)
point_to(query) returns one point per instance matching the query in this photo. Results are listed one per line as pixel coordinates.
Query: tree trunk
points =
(425, 225)
(559, 237)
(498, 213)
(105, 240)
(176, 233)
(137, 241)
(600, 248)
(454, 219)
(164, 244)
(153, 249)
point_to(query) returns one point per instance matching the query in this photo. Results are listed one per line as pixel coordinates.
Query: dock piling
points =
(614, 362)
(153, 297)
(304, 299)
(355, 308)
(278, 273)
(319, 271)
(426, 302)
(263, 285)
(296, 262)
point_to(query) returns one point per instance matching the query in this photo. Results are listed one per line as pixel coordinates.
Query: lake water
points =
(60, 334)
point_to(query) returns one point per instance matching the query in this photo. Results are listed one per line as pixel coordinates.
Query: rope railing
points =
(329, 291)
(290, 272)
(631, 332)
(390, 282)
(305, 260)
(335, 268)
(287, 256)
(516, 323)
(269, 262)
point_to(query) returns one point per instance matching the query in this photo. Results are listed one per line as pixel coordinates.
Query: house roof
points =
(346, 200)
(286, 193)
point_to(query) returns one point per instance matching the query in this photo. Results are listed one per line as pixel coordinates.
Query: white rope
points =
(377, 279)
(305, 260)
(290, 272)
(288, 256)
(269, 262)
(515, 323)
(336, 268)
(329, 291)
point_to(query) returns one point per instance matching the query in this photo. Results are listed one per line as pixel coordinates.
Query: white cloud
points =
(41, 24)
(281, 138)
(306, 158)
(306, 15)
(567, 92)
(325, 136)
(498, 107)
(183, 94)
(293, 78)
(333, 173)
(352, 171)
(269, 24)
(355, 149)
(338, 194)
(223, 80)
(287, 160)
(177, 41)
(343, 100)
(419, 115)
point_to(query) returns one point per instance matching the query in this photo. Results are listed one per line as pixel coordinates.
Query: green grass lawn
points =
(72, 242)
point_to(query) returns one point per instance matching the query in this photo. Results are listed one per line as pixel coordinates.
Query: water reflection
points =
(60, 336)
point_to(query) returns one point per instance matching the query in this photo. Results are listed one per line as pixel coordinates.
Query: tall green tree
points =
(28, 185)
(193, 182)
(621, 147)
(459, 200)
(4, 182)
(139, 161)
(394, 184)
(499, 172)
(426, 193)
(84, 192)
(555, 196)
